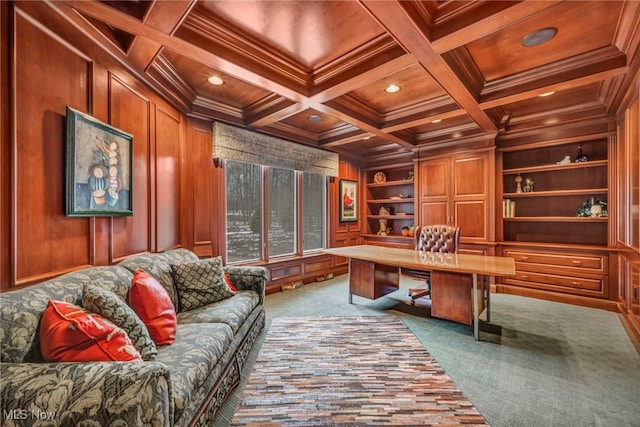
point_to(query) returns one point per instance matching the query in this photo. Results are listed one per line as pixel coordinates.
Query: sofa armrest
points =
(109, 393)
(249, 278)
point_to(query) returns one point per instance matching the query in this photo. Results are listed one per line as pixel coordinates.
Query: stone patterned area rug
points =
(349, 371)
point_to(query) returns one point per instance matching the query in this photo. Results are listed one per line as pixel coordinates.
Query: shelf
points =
(555, 193)
(555, 167)
(407, 216)
(395, 236)
(381, 201)
(555, 219)
(390, 183)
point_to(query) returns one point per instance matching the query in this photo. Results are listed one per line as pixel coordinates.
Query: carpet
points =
(348, 371)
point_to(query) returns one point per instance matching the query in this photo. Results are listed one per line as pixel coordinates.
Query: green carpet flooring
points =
(542, 364)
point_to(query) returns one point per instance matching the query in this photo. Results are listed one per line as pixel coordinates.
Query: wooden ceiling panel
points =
(502, 54)
(416, 86)
(234, 92)
(313, 33)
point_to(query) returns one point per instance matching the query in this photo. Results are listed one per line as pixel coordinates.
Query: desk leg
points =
(487, 290)
(349, 278)
(476, 317)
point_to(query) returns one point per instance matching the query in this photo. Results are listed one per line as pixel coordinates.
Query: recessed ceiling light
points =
(215, 80)
(547, 93)
(314, 118)
(540, 36)
(393, 88)
(366, 137)
(436, 121)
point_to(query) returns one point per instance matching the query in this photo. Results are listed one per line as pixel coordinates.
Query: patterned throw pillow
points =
(109, 305)
(151, 302)
(69, 333)
(200, 283)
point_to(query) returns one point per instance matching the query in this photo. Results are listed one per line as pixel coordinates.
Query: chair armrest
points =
(107, 393)
(249, 278)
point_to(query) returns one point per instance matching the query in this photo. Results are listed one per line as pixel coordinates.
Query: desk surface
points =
(411, 258)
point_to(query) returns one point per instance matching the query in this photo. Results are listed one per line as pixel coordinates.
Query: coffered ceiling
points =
(463, 70)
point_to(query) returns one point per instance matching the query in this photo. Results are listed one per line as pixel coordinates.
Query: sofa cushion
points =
(110, 306)
(200, 283)
(232, 311)
(71, 334)
(152, 304)
(194, 354)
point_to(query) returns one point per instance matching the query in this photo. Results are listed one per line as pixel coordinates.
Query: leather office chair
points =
(433, 238)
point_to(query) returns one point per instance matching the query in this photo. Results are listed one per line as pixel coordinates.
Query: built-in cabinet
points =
(555, 219)
(390, 205)
(457, 190)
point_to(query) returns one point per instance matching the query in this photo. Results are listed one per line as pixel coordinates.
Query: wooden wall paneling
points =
(168, 144)
(434, 190)
(6, 210)
(200, 189)
(41, 229)
(471, 195)
(130, 111)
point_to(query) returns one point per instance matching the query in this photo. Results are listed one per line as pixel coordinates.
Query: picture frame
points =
(348, 200)
(99, 169)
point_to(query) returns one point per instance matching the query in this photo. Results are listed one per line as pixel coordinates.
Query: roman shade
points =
(232, 143)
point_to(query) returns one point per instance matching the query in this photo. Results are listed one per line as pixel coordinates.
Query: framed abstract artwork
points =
(348, 200)
(99, 169)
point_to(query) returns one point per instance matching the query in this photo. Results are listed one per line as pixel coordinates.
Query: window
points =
(313, 211)
(244, 211)
(282, 212)
(289, 197)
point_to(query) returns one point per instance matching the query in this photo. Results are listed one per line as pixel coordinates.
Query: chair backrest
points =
(438, 238)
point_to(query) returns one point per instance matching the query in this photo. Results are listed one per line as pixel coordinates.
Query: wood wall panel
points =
(167, 180)
(200, 188)
(130, 111)
(41, 228)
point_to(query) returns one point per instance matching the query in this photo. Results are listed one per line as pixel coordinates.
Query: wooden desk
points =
(374, 271)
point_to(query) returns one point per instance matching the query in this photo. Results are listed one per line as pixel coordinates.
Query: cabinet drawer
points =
(577, 283)
(591, 263)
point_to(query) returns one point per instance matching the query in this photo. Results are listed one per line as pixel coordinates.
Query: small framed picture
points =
(99, 167)
(348, 200)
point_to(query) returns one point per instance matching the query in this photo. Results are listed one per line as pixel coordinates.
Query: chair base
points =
(415, 293)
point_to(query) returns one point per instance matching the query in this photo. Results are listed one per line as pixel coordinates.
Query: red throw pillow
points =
(152, 304)
(229, 282)
(69, 333)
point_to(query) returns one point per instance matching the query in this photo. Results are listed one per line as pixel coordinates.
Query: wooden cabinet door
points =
(456, 191)
(434, 192)
(470, 195)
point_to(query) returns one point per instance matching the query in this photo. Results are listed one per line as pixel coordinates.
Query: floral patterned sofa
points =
(185, 384)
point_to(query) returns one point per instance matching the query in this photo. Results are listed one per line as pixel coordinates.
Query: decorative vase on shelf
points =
(581, 157)
(518, 184)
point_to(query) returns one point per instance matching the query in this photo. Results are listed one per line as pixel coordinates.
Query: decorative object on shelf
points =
(528, 185)
(99, 169)
(581, 157)
(398, 197)
(383, 227)
(566, 160)
(348, 200)
(518, 184)
(593, 208)
(410, 176)
(508, 208)
(383, 211)
(405, 230)
(412, 230)
(379, 177)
